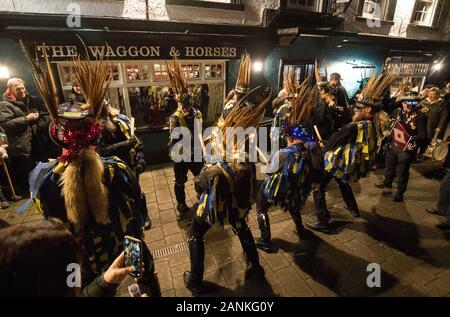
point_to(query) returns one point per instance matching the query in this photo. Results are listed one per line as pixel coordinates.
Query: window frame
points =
(435, 14)
(385, 6)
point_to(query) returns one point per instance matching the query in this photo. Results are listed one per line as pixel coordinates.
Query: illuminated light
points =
(4, 72)
(339, 46)
(437, 66)
(257, 66)
(345, 40)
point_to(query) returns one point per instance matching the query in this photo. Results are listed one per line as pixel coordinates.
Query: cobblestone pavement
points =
(401, 237)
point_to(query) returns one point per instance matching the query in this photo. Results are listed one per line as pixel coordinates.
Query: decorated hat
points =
(178, 82)
(372, 93)
(243, 79)
(74, 126)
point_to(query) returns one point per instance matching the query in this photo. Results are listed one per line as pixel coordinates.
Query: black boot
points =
(251, 256)
(180, 195)
(147, 223)
(319, 225)
(193, 280)
(398, 197)
(297, 218)
(264, 242)
(349, 199)
(321, 206)
(383, 184)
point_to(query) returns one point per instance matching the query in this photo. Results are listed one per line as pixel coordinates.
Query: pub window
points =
(426, 12)
(378, 9)
(68, 78)
(160, 72)
(213, 71)
(305, 5)
(191, 71)
(137, 72)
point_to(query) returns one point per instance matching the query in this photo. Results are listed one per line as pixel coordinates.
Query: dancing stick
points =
(8, 178)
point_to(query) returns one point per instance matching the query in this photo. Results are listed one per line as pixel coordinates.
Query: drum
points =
(440, 152)
(400, 136)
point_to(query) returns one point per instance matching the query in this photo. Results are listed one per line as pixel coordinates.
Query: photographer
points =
(51, 248)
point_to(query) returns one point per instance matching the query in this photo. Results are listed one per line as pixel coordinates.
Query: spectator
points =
(342, 115)
(436, 114)
(75, 94)
(19, 117)
(34, 260)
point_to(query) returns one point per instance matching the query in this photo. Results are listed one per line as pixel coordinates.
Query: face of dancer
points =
(361, 112)
(19, 91)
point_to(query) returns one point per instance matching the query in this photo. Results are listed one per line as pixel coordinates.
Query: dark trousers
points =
(443, 204)
(22, 166)
(181, 169)
(262, 208)
(149, 277)
(396, 158)
(322, 213)
(197, 248)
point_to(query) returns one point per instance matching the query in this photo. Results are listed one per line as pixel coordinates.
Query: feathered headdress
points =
(76, 128)
(372, 93)
(243, 115)
(301, 111)
(243, 79)
(290, 84)
(178, 80)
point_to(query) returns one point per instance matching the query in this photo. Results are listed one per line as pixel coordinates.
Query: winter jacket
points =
(436, 117)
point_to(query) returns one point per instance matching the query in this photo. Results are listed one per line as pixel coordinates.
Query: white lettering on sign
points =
(60, 51)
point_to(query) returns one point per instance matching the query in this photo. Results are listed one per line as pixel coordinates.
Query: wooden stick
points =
(8, 178)
(318, 134)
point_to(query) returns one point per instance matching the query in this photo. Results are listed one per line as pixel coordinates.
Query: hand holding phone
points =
(133, 255)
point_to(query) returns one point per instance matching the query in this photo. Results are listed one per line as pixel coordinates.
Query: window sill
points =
(361, 18)
(206, 4)
(423, 27)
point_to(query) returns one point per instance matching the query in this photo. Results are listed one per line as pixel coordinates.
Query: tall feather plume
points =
(376, 86)
(243, 78)
(244, 115)
(94, 78)
(44, 79)
(83, 189)
(177, 80)
(289, 82)
(302, 105)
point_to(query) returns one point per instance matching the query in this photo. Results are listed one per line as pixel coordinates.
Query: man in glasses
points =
(408, 132)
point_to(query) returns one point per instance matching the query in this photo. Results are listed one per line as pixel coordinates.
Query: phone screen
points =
(133, 255)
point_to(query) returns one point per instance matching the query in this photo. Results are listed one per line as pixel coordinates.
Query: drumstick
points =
(318, 133)
(132, 126)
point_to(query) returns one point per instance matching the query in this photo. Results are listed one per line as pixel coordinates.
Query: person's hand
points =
(331, 104)
(340, 109)
(321, 144)
(116, 273)
(32, 116)
(437, 130)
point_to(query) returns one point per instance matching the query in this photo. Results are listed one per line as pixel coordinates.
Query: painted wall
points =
(400, 26)
(136, 9)
(336, 59)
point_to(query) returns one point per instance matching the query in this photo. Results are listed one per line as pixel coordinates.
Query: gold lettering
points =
(208, 51)
(154, 50)
(144, 51)
(57, 51)
(199, 51)
(189, 51)
(121, 51)
(133, 51)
